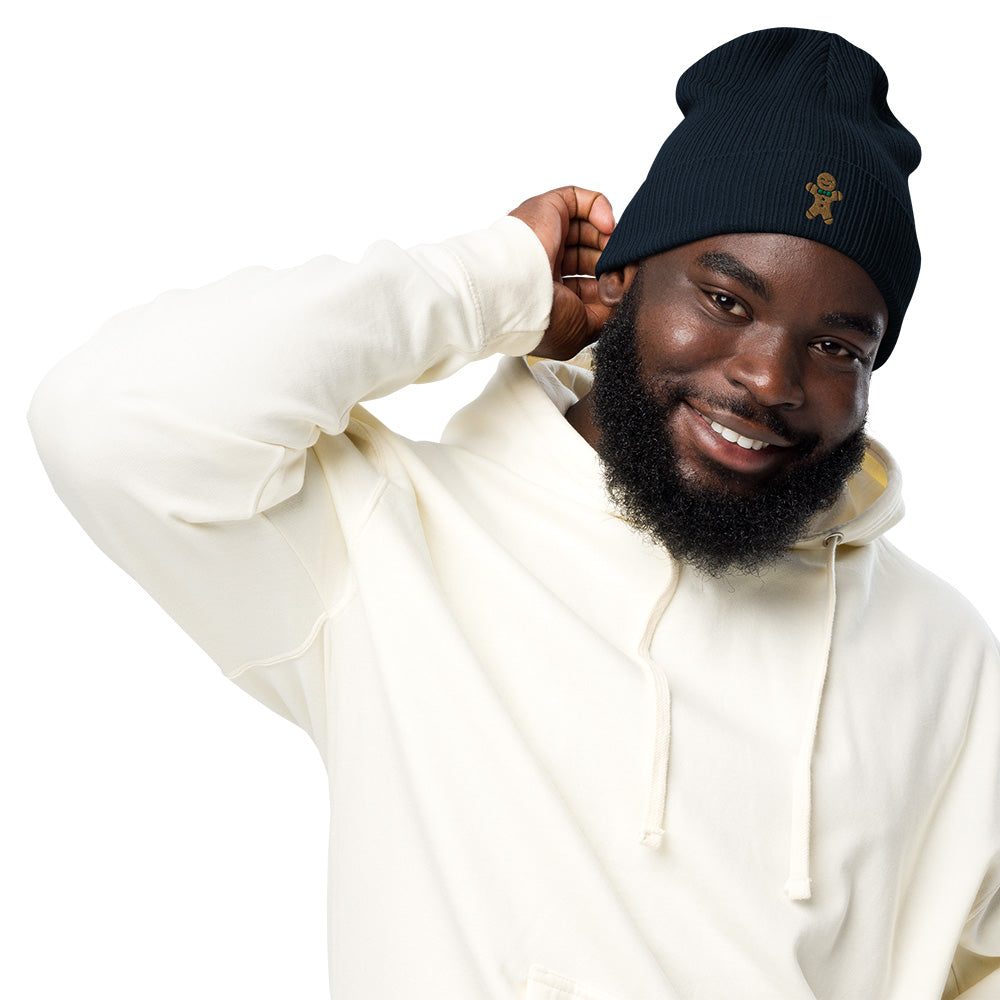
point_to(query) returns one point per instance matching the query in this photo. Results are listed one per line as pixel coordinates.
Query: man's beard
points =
(712, 528)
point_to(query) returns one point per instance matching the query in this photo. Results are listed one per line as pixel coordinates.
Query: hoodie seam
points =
(315, 631)
(331, 610)
(474, 294)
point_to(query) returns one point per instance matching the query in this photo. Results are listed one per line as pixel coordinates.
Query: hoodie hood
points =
(870, 504)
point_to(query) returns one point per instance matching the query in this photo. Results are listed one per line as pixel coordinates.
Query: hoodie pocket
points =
(543, 984)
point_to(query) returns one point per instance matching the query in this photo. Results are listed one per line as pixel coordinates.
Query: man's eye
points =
(728, 304)
(835, 350)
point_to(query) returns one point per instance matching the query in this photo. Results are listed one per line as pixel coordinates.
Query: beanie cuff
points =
(768, 191)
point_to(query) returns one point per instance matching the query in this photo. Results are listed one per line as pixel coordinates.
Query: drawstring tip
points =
(798, 889)
(651, 839)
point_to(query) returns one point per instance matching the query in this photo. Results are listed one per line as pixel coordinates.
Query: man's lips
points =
(748, 436)
(733, 442)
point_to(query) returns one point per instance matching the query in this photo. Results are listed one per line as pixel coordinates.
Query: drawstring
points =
(653, 827)
(799, 884)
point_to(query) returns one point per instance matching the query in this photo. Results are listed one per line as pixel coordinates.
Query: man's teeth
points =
(744, 442)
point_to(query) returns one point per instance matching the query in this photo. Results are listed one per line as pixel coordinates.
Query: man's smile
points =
(739, 430)
(731, 435)
(731, 443)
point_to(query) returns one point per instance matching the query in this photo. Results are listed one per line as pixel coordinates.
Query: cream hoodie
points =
(560, 765)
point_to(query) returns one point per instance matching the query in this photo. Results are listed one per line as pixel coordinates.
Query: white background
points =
(162, 834)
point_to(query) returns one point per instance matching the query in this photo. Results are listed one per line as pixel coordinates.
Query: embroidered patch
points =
(824, 193)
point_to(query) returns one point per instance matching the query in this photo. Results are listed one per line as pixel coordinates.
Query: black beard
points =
(713, 529)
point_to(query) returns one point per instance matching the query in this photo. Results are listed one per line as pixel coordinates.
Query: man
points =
(620, 691)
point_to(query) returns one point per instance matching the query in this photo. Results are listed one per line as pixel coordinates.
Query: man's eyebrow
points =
(732, 267)
(869, 325)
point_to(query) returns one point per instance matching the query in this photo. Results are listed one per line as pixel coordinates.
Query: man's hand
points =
(573, 225)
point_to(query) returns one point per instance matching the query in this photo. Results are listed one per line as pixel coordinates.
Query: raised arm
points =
(182, 436)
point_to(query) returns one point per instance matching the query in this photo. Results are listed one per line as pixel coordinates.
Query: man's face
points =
(731, 390)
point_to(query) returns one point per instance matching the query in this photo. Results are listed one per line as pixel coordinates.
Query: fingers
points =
(584, 244)
(592, 206)
(585, 234)
(567, 217)
(573, 224)
(579, 260)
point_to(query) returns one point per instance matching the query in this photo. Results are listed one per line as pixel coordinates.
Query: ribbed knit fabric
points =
(765, 115)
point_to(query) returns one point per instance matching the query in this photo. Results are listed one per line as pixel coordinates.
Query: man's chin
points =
(713, 477)
(718, 528)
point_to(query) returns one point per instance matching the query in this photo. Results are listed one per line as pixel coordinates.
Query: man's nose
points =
(768, 366)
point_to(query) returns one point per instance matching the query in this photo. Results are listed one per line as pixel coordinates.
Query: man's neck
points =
(581, 418)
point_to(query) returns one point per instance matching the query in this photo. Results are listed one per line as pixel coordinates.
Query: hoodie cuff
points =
(510, 280)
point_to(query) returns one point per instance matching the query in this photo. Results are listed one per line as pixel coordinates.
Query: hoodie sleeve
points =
(181, 437)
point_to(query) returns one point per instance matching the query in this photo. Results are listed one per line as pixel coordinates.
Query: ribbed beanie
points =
(785, 130)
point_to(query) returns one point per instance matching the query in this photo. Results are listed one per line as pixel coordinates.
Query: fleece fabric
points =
(560, 764)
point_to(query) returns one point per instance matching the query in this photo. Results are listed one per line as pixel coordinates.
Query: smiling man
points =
(621, 691)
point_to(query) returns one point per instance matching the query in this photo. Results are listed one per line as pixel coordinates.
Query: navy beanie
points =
(785, 131)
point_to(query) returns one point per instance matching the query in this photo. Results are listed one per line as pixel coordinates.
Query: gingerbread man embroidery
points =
(824, 193)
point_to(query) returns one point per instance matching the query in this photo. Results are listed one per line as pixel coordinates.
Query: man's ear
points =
(612, 285)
